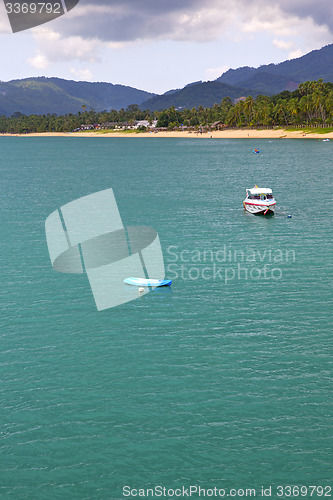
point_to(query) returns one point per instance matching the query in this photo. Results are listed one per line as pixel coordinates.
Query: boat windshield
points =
(254, 196)
(260, 196)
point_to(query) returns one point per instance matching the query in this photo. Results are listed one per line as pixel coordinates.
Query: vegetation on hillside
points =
(311, 104)
(203, 93)
(270, 79)
(59, 96)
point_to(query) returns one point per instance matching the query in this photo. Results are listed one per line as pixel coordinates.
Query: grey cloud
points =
(129, 20)
(321, 11)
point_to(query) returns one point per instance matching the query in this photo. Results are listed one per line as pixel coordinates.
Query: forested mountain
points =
(55, 95)
(267, 80)
(311, 105)
(198, 94)
(274, 78)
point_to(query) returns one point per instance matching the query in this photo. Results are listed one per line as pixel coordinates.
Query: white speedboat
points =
(259, 201)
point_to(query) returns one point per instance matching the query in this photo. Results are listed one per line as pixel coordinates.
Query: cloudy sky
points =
(157, 45)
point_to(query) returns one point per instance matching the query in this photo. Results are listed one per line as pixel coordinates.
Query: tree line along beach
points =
(305, 112)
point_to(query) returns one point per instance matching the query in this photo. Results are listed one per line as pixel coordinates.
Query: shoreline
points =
(216, 134)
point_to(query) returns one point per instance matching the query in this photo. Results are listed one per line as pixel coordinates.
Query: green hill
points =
(199, 94)
(55, 95)
(274, 78)
(267, 80)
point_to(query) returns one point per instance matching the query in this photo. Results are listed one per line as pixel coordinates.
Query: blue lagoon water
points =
(224, 380)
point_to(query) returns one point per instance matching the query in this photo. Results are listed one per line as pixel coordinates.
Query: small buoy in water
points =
(289, 216)
(141, 289)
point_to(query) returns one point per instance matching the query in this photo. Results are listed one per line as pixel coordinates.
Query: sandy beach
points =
(218, 134)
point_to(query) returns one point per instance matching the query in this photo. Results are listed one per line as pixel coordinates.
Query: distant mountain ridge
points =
(274, 78)
(55, 95)
(268, 80)
(204, 94)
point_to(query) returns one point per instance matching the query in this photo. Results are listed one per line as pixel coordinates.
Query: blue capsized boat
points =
(147, 282)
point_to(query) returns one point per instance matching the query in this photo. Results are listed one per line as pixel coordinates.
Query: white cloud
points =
(82, 74)
(53, 48)
(97, 26)
(38, 62)
(283, 44)
(295, 54)
(213, 73)
(261, 18)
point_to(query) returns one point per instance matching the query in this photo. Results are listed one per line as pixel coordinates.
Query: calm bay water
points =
(223, 380)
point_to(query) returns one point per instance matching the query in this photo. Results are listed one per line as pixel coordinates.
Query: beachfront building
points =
(217, 125)
(145, 123)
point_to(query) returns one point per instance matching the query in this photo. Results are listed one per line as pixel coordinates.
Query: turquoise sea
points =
(223, 381)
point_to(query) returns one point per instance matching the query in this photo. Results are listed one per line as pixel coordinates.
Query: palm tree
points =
(293, 109)
(263, 110)
(317, 99)
(280, 112)
(329, 106)
(248, 109)
(306, 108)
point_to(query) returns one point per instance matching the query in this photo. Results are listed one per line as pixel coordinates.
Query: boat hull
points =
(259, 208)
(147, 282)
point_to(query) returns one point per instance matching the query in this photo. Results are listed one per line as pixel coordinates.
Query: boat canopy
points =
(258, 190)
